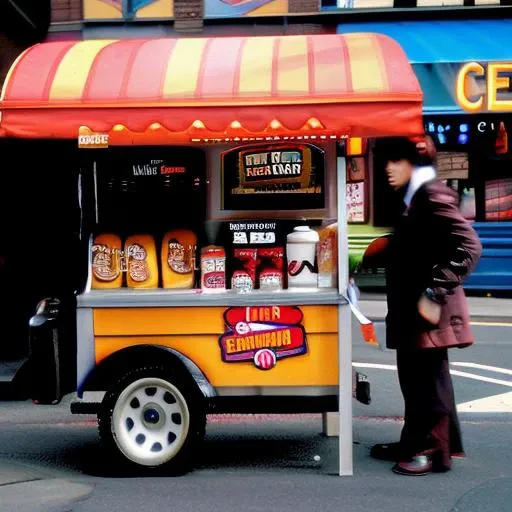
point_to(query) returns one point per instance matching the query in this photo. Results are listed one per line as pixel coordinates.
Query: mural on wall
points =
(127, 9)
(238, 8)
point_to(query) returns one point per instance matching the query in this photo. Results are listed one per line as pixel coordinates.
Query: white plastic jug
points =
(301, 247)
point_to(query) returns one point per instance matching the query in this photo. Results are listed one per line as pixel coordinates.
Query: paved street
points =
(268, 462)
(258, 463)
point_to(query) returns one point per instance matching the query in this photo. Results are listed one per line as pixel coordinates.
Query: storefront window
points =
(498, 199)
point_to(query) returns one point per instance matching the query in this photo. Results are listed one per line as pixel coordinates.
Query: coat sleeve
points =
(459, 245)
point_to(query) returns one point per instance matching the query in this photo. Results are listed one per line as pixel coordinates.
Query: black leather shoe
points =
(391, 452)
(385, 451)
(418, 466)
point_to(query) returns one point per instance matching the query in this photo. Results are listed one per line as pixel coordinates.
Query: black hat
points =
(394, 149)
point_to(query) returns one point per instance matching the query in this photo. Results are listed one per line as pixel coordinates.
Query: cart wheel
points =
(151, 419)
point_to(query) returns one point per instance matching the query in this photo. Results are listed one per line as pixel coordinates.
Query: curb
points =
(47, 494)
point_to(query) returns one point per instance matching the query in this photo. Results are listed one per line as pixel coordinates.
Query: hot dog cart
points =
(213, 224)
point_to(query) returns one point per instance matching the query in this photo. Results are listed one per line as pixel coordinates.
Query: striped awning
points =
(165, 90)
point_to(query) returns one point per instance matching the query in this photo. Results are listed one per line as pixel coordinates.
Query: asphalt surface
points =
(254, 463)
(287, 458)
(482, 309)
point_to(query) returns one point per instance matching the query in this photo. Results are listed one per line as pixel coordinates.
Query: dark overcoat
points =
(434, 247)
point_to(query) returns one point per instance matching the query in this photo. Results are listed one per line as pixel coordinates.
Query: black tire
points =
(158, 406)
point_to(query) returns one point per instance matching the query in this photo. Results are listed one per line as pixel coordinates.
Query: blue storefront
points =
(465, 70)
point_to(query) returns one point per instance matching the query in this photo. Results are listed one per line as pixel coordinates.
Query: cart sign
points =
(279, 166)
(92, 140)
(273, 177)
(262, 334)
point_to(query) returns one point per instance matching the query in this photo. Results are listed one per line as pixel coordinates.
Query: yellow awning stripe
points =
(184, 68)
(365, 64)
(73, 71)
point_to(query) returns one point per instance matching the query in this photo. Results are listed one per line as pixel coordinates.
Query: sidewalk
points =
(26, 488)
(482, 309)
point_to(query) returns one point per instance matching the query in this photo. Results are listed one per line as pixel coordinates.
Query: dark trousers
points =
(431, 421)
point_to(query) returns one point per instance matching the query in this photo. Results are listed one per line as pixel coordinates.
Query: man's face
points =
(399, 173)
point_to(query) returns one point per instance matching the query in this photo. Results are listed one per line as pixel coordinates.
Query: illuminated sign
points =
(282, 176)
(485, 88)
(281, 165)
(448, 131)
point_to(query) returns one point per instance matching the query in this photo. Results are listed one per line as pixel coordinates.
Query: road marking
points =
(477, 366)
(375, 365)
(482, 378)
(492, 324)
(453, 372)
(496, 403)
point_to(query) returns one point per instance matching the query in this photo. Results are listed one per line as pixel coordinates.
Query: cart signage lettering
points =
(262, 335)
(281, 176)
(145, 170)
(168, 169)
(93, 140)
(105, 262)
(267, 166)
(156, 168)
(253, 232)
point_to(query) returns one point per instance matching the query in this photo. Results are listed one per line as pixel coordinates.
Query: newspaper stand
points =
(243, 136)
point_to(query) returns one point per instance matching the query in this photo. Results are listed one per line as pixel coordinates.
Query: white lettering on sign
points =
(145, 170)
(279, 169)
(483, 126)
(262, 238)
(239, 237)
(239, 226)
(98, 140)
(256, 159)
(282, 163)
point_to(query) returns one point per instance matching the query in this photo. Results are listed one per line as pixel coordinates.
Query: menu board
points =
(276, 177)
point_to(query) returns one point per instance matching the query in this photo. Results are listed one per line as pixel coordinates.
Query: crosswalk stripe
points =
(486, 367)
(495, 403)
(458, 373)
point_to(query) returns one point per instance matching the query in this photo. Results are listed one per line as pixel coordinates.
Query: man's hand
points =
(429, 310)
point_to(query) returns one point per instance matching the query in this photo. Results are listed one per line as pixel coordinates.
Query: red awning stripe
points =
(217, 81)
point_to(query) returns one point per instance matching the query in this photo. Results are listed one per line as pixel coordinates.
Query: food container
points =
(271, 280)
(213, 269)
(242, 282)
(301, 249)
(328, 256)
(245, 260)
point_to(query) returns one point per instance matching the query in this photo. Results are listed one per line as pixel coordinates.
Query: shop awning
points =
(437, 48)
(429, 41)
(164, 90)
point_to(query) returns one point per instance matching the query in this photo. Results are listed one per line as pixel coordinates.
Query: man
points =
(431, 252)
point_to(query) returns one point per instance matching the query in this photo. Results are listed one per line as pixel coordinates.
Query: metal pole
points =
(344, 331)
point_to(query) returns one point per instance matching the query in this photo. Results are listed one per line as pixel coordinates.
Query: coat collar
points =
(420, 176)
